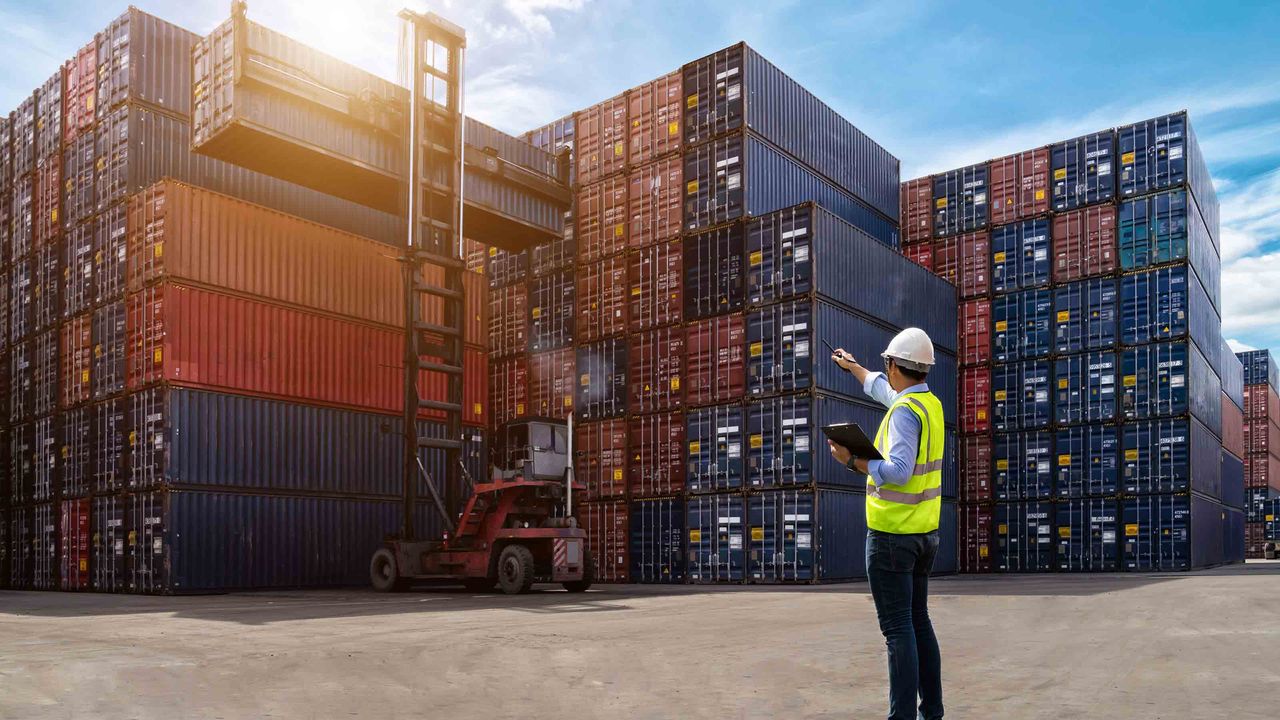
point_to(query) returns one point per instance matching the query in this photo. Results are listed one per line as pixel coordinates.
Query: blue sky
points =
(940, 84)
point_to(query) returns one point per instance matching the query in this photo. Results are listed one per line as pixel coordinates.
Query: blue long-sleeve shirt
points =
(904, 432)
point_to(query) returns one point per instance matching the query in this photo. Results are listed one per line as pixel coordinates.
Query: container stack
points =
(683, 323)
(1095, 379)
(1261, 442)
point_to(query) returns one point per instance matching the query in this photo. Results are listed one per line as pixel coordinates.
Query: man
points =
(904, 502)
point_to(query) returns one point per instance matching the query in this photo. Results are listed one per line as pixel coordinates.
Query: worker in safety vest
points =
(904, 501)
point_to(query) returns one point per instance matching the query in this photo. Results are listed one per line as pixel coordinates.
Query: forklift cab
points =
(534, 449)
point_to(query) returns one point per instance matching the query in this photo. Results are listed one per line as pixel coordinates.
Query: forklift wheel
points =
(588, 575)
(515, 569)
(383, 574)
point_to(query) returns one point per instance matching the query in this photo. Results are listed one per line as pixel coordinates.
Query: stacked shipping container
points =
(1260, 448)
(1098, 401)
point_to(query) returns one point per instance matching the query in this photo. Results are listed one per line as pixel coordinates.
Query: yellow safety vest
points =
(916, 506)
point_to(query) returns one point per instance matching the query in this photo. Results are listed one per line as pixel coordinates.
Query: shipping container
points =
(1019, 186)
(1261, 436)
(977, 546)
(920, 254)
(1087, 459)
(1023, 466)
(654, 276)
(1260, 401)
(509, 395)
(965, 261)
(656, 445)
(23, 128)
(1163, 153)
(715, 362)
(1172, 532)
(509, 320)
(1020, 255)
(5, 565)
(110, 438)
(79, 98)
(47, 205)
(504, 267)
(1170, 379)
(1021, 399)
(1232, 375)
(1260, 368)
(143, 58)
(75, 451)
(1256, 503)
(657, 541)
(960, 201)
(806, 536)
(21, 218)
(716, 437)
(1086, 315)
(46, 290)
(108, 556)
(741, 175)
(717, 537)
(785, 444)
(78, 294)
(1168, 304)
(602, 299)
(1088, 537)
(916, 201)
(1163, 456)
(602, 379)
(655, 129)
(48, 373)
(653, 206)
(553, 379)
(557, 254)
(74, 541)
(49, 120)
(656, 371)
(110, 254)
(737, 88)
(19, 366)
(807, 251)
(1084, 243)
(1255, 539)
(552, 310)
(1086, 388)
(76, 360)
(600, 139)
(608, 538)
(1024, 536)
(1083, 171)
(45, 546)
(78, 197)
(22, 463)
(975, 332)
(975, 399)
(600, 458)
(713, 271)
(21, 546)
(975, 469)
(1166, 228)
(1023, 323)
(1233, 495)
(602, 219)
(1259, 471)
(6, 178)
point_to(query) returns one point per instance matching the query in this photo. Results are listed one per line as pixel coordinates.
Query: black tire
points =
(515, 569)
(478, 585)
(588, 576)
(383, 573)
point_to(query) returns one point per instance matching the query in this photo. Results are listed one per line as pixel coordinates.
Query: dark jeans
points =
(898, 567)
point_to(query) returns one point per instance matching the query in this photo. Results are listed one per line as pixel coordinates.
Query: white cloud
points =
(1250, 216)
(1251, 295)
(1239, 347)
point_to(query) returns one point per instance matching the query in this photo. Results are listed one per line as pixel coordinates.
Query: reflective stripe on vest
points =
(915, 506)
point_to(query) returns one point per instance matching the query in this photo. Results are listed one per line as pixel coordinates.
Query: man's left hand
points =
(839, 452)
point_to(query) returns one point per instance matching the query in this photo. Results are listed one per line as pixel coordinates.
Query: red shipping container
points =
(1261, 401)
(1261, 435)
(1232, 428)
(508, 320)
(716, 360)
(77, 360)
(509, 389)
(917, 210)
(1255, 539)
(473, 254)
(977, 539)
(975, 399)
(975, 469)
(1019, 186)
(600, 139)
(199, 338)
(75, 544)
(608, 539)
(975, 332)
(920, 254)
(1084, 243)
(602, 219)
(654, 110)
(602, 299)
(655, 279)
(655, 207)
(48, 203)
(655, 370)
(964, 261)
(551, 381)
(1262, 471)
(656, 444)
(79, 98)
(600, 458)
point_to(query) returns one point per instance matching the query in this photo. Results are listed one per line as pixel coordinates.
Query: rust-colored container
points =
(600, 140)
(509, 389)
(48, 203)
(602, 299)
(1261, 401)
(977, 539)
(75, 544)
(656, 447)
(1261, 436)
(716, 360)
(1232, 428)
(508, 320)
(551, 383)
(473, 254)
(602, 219)
(79, 98)
(975, 332)
(607, 525)
(1262, 471)
(600, 458)
(1084, 243)
(1019, 186)
(975, 399)
(655, 279)
(965, 261)
(975, 469)
(920, 253)
(655, 370)
(917, 210)
(654, 112)
(655, 207)
(77, 360)
(1255, 539)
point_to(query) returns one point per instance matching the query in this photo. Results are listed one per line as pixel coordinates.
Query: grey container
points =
(806, 251)
(144, 59)
(1232, 375)
(1163, 153)
(736, 87)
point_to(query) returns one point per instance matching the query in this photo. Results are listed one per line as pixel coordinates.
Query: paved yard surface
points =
(1200, 645)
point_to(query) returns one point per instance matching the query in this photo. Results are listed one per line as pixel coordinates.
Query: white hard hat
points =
(912, 349)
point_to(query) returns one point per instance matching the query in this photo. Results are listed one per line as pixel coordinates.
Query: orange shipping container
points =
(602, 299)
(654, 109)
(602, 219)
(655, 203)
(917, 210)
(601, 139)
(606, 525)
(509, 389)
(551, 379)
(600, 458)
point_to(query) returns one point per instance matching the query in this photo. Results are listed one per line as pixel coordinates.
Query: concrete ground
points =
(1198, 645)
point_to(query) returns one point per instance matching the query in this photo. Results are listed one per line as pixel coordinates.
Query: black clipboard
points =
(850, 435)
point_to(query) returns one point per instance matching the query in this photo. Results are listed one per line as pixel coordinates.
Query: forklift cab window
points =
(554, 438)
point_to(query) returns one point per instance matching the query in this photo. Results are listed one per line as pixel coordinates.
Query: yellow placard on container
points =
(1000, 395)
(568, 401)
(695, 536)
(1062, 383)
(675, 383)
(619, 230)
(585, 379)
(1131, 530)
(941, 202)
(1130, 454)
(695, 447)
(1064, 315)
(158, 356)
(756, 257)
(84, 376)
(1064, 532)
(158, 250)
(618, 149)
(982, 413)
(757, 534)
(617, 473)
(691, 101)
(479, 409)
(1060, 174)
(691, 187)
(1130, 380)
(673, 128)
(757, 441)
(1002, 529)
(493, 251)
(1040, 194)
(1127, 158)
(1002, 325)
(983, 551)
(1064, 460)
(1002, 464)
(519, 408)
(998, 257)
(757, 348)
(536, 313)
(133, 437)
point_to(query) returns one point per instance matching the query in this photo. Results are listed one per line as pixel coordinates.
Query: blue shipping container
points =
(805, 250)
(1020, 255)
(1232, 494)
(713, 266)
(1088, 461)
(657, 541)
(1164, 229)
(785, 444)
(1088, 537)
(1173, 532)
(715, 438)
(961, 200)
(1271, 518)
(1260, 368)
(1233, 532)
(946, 562)
(1163, 456)
(1086, 388)
(1021, 325)
(1256, 503)
(1232, 375)
(1168, 304)
(504, 267)
(602, 379)
(806, 536)
(1086, 315)
(1170, 379)
(1024, 536)
(743, 176)
(1083, 171)
(1020, 396)
(717, 538)
(1023, 466)
(1163, 153)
